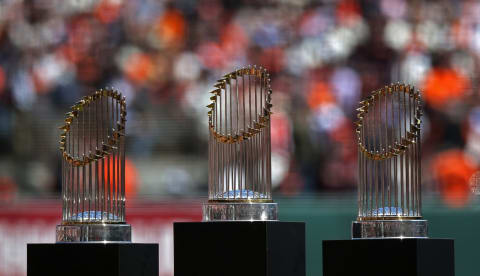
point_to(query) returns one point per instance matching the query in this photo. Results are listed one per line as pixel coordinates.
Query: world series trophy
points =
(388, 138)
(240, 179)
(92, 144)
(240, 219)
(389, 231)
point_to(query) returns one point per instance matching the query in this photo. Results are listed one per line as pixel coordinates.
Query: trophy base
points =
(239, 248)
(391, 229)
(94, 232)
(240, 211)
(393, 257)
(115, 259)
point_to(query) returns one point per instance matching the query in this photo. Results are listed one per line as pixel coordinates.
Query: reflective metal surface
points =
(378, 229)
(97, 232)
(229, 211)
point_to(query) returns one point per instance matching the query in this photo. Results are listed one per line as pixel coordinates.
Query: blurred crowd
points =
(164, 56)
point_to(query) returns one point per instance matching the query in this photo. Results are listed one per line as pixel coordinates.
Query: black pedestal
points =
(115, 259)
(393, 257)
(260, 248)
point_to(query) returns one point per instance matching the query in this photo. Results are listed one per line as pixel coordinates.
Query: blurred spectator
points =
(443, 86)
(452, 170)
(323, 57)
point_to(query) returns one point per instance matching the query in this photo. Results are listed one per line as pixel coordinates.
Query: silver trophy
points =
(388, 137)
(92, 144)
(239, 182)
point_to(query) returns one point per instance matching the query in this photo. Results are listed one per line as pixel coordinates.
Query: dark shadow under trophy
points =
(93, 238)
(240, 233)
(390, 236)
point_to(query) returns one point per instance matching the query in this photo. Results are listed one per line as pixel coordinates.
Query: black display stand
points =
(239, 248)
(115, 259)
(393, 257)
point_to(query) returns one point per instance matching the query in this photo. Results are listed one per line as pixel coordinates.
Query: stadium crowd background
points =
(164, 56)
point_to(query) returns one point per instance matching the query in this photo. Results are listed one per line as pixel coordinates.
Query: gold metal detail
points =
(110, 143)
